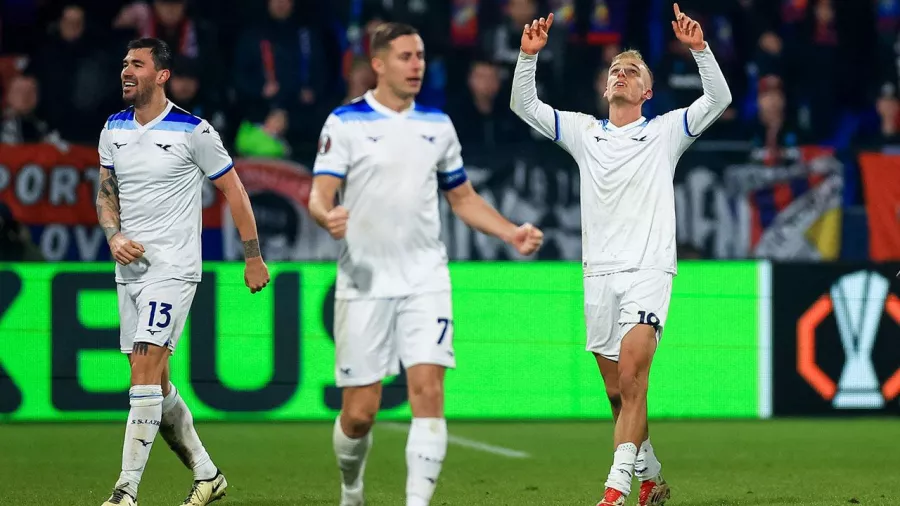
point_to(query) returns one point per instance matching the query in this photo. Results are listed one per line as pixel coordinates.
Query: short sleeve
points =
(208, 152)
(103, 148)
(333, 155)
(451, 171)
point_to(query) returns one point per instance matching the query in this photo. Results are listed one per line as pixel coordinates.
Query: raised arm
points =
(561, 126)
(524, 100)
(716, 95)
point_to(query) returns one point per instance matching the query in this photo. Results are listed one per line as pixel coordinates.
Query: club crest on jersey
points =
(324, 144)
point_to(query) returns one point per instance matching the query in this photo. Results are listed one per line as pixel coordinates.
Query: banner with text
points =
(519, 342)
(729, 204)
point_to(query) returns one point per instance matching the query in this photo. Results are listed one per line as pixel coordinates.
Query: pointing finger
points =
(677, 10)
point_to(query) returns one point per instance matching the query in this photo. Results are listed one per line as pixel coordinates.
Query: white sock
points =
(425, 452)
(622, 470)
(351, 456)
(143, 424)
(646, 466)
(177, 428)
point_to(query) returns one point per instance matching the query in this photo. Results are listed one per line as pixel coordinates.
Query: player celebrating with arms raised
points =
(153, 158)
(628, 217)
(389, 156)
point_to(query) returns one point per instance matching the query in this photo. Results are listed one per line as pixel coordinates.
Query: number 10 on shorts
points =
(444, 323)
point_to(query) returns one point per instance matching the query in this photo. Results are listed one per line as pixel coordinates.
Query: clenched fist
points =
(527, 239)
(336, 222)
(125, 251)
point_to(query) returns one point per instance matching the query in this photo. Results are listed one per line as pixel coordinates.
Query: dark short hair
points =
(385, 33)
(162, 54)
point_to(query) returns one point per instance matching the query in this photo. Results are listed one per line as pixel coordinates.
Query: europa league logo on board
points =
(858, 301)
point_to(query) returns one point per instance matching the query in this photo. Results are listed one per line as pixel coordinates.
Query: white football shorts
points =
(615, 303)
(154, 312)
(373, 337)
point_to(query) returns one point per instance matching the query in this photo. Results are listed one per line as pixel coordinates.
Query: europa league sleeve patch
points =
(324, 144)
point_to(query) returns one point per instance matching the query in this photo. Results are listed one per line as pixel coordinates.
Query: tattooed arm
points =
(108, 203)
(256, 274)
(123, 250)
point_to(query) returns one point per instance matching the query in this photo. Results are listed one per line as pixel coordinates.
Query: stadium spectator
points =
(888, 108)
(20, 123)
(484, 110)
(773, 131)
(89, 75)
(266, 139)
(184, 89)
(169, 20)
(360, 78)
(501, 44)
(280, 64)
(15, 240)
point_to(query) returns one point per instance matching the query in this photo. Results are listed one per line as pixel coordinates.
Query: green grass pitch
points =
(708, 463)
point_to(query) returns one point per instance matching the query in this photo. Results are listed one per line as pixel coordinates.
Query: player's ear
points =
(163, 76)
(377, 64)
(648, 94)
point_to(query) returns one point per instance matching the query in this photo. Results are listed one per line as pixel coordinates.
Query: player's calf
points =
(426, 446)
(177, 429)
(145, 399)
(352, 439)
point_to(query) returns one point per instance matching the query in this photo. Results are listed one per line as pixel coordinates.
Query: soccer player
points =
(153, 158)
(387, 157)
(628, 220)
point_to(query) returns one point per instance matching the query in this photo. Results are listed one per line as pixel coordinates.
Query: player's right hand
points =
(534, 37)
(123, 250)
(336, 222)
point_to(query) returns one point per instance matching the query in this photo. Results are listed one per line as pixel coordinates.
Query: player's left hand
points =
(527, 239)
(688, 31)
(256, 274)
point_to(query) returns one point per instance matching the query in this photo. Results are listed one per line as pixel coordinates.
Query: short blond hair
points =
(633, 54)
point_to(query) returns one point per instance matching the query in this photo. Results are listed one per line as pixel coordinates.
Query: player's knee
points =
(357, 422)
(427, 391)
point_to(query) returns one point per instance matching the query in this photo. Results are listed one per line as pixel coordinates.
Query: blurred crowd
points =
(266, 73)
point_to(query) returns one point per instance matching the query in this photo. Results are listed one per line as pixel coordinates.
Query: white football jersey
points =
(160, 168)
(627, 193)
(392, 164)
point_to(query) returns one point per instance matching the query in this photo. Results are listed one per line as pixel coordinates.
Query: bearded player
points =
(153, 159)
(628, 218)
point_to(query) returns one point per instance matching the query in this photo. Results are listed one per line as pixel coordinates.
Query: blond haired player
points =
(387, 157)
(628, 221)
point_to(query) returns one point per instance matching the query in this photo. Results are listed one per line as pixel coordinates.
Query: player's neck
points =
(384, 97)
(148, 112)
(621, 116)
